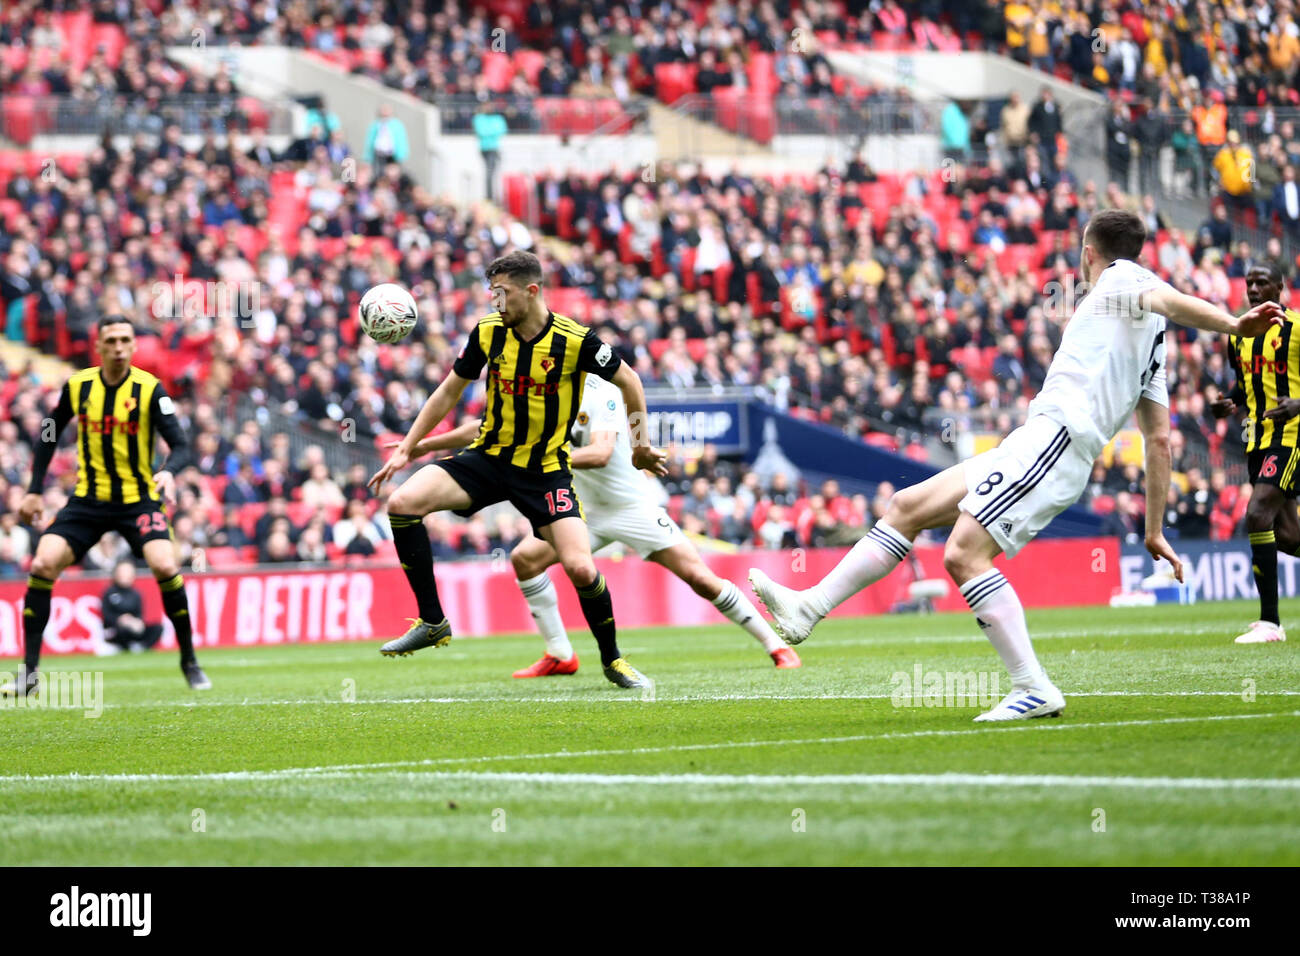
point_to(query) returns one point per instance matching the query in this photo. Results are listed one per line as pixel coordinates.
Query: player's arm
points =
(444, 398)
(1198, 314)
(597, 453)
(1227, 405)
(467, 368)
(597, 358)
(162, 411)
(644, 454)
(1153, 421)
(461, 437)
(33, 505)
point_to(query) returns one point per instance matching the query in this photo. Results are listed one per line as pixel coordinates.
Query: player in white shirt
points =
(616, 504)
(1111, 363)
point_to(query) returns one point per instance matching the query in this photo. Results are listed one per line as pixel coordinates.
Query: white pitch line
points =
(798, 780)
(633, 699)
(874, 779)
(333, 770)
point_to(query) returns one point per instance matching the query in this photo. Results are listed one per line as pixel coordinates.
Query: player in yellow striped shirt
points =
(119, 410)
(1268, 386)
(537, 364)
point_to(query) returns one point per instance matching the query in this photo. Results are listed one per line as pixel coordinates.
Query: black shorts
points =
(1274, 466)
(83, 521)
(541, 496)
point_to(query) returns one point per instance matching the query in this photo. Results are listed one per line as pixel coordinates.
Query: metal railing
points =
(24, 117)
(342, 448)
(561, 116)
(759, 118)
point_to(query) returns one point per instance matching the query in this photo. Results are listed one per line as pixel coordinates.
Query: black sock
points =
(416, 555)
(598, 609)
(1263, 560)
(36, 614)
(176, 604)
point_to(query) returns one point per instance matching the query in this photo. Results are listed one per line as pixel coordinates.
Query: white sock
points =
(740, 609)
(544, 602)
(999, 613)
(870, 560)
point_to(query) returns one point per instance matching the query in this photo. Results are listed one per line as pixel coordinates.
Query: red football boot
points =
(550, 666)
(786, 657)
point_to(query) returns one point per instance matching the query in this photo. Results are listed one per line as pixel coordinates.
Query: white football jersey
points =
(619, 483)
(1111, 355)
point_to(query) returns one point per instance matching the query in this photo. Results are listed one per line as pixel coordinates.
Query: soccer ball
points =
(387, 313)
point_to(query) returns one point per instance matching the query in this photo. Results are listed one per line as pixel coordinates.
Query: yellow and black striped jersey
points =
(1268, 369)
(534, 387)
(116, 427)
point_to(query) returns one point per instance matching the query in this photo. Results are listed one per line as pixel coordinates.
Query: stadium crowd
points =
(912, 311)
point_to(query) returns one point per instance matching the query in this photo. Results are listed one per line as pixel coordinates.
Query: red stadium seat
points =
(722, 282)
(1012, 258)
(530, 63)
(687, 268)
(564, 213)
(1236, 294)
(726, 106)
(222, 557)
(516, 188)
(761, 73)
(673, 81)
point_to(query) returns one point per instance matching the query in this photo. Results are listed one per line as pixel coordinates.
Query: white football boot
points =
(1036, 700)
(792, 618)
(1262, 632)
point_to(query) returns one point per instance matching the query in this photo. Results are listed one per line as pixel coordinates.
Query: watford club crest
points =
(128, 405)
(547, 364)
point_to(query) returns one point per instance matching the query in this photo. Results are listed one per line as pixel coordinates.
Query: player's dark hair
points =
(1117, 234)
(106, 320)
(523, 268)
(1272, 268)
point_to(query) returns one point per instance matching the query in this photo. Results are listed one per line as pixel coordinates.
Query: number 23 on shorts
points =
(559, 502)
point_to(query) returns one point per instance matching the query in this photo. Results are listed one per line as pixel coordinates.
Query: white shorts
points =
(1014, 490)
(643, 529)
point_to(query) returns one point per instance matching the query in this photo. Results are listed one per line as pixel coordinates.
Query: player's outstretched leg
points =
(53, 554)
(685, 562)
(931, 504)
(429, 489)
(569, 538)
(968, 557)
(530, 559)
(1267, 502)
(160, 555)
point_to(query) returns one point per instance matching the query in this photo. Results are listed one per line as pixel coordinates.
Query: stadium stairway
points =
(49, 369)
(681, 137)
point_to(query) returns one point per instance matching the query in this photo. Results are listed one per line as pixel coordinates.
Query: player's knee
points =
(525, 566)
(959, 562)
(44, 567)
(165, 570)
(904, 508)
(1260, 514)
(581, 571)
(402, 502)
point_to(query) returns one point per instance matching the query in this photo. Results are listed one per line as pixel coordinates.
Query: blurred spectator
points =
(122, 609)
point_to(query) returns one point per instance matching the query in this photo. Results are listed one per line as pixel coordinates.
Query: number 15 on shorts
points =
(560, 501)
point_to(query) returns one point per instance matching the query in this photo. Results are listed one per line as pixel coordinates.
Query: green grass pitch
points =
(1177, 747)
